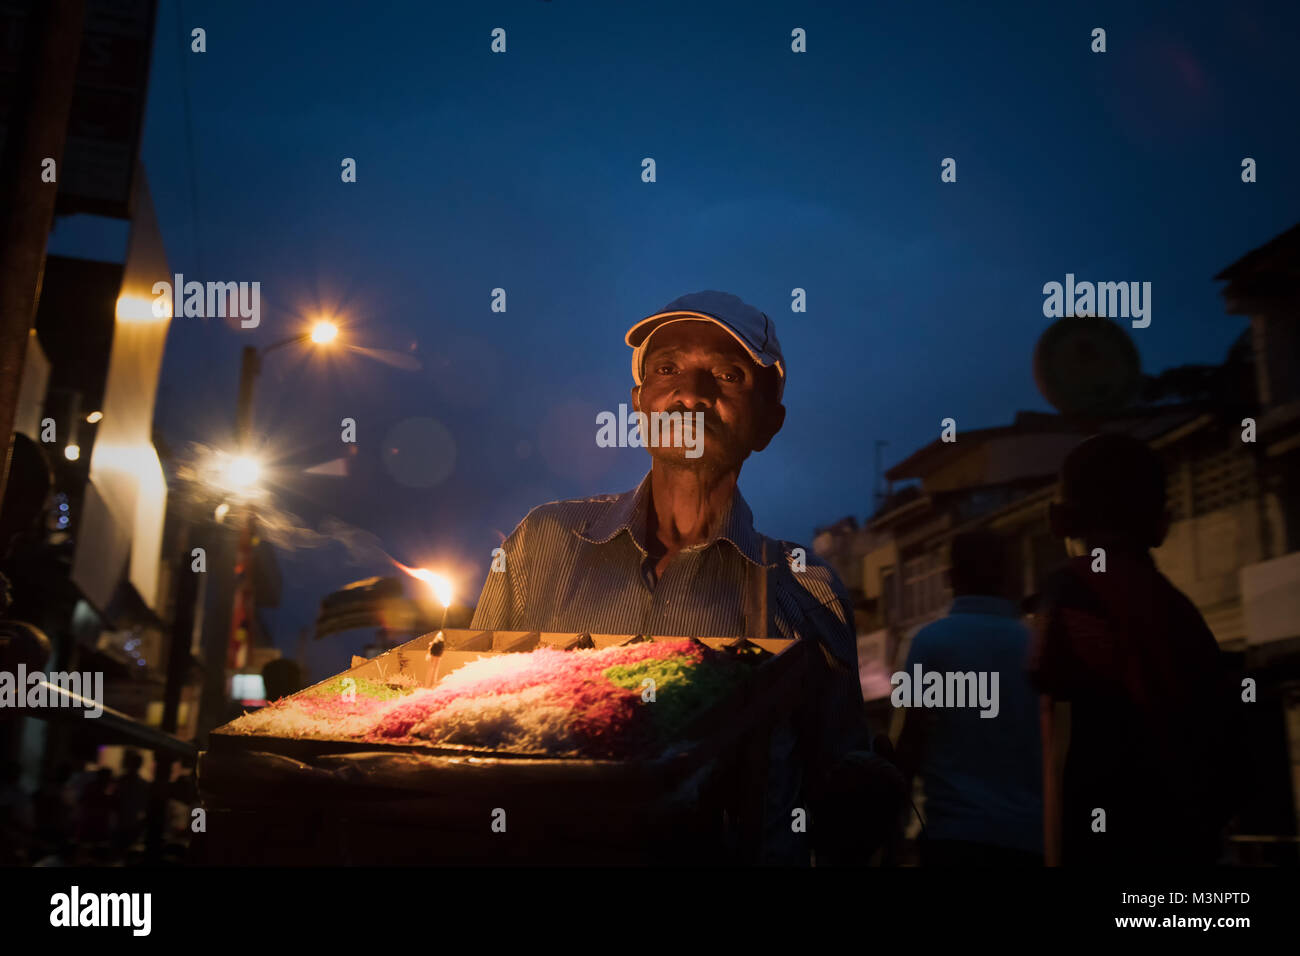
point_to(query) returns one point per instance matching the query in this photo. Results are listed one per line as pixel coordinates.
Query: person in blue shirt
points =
(980, 762)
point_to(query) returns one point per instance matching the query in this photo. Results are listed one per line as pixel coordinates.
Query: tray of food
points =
(434, 734)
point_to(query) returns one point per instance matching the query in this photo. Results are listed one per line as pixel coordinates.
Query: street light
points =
(324, 332)
(244, 472)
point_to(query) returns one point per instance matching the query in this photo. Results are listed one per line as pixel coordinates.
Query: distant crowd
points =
(87, 817)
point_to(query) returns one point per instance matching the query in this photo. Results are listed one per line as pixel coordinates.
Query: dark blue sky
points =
(775, 170)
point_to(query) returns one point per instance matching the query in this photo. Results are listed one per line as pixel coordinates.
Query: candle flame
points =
(440, 586)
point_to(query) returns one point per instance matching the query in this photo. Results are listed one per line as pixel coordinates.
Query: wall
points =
(1203, 557)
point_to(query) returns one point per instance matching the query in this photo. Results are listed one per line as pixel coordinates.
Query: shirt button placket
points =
(663, 592)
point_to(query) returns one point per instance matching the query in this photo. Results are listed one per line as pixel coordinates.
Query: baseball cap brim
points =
(638, 335)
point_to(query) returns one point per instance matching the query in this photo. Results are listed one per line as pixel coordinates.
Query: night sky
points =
(775, 170)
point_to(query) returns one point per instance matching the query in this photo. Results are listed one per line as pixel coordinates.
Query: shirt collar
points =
(627, 512)
(984, 604)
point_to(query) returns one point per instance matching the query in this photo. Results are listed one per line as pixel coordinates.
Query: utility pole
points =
(249, 366)
(178, 667)
(38, 129)
(241, 618)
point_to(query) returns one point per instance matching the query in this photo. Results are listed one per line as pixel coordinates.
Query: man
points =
(1134, 707)
(679, 555)
(982, 775)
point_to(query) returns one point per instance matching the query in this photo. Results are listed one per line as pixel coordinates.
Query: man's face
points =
(696, 366)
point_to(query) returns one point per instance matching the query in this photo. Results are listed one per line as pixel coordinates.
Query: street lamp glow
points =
(138, 308)
(243, 472)
(323, 332)
(94, 417)
(72, 452)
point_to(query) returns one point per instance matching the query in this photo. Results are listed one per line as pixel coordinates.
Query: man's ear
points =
(636, 398)
(771, 425)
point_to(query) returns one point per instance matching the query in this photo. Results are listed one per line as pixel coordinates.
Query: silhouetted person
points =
(95, 809)
(1130, 676)
(131, 797)
(982, 774)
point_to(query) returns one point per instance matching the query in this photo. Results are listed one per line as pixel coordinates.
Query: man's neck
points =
(686, 504)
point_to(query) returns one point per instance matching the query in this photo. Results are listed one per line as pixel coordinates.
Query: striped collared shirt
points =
(582, 566)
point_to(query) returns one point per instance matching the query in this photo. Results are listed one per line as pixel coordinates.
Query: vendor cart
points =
(277, 800)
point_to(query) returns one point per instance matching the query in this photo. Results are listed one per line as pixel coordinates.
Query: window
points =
(1222, 480)
(924, 585)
